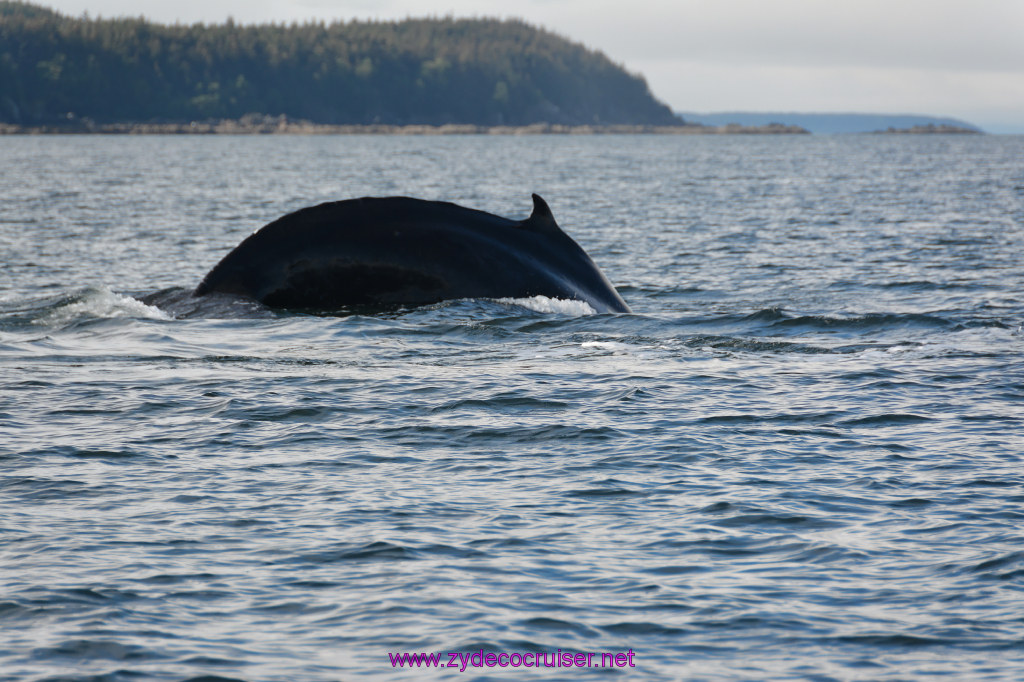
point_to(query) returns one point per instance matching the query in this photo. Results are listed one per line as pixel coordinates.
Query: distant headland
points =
(830, 123)
(931, 129)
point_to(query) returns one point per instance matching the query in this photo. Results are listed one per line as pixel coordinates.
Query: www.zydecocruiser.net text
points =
(516, 659)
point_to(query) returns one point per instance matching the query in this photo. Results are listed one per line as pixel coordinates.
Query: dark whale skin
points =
(400, 251)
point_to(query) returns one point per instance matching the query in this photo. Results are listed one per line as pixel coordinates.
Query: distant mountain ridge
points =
(416, 71)
(828, 123)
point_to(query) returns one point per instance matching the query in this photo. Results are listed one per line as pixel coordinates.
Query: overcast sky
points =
(960, 58)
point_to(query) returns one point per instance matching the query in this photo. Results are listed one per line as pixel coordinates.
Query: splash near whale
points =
(400, 251)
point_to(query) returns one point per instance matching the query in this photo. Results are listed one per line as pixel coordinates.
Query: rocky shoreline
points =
(281, 125)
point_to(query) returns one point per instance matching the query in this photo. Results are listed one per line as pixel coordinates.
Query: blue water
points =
(800, 458)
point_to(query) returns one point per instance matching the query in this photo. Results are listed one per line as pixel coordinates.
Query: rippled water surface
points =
(800, 457)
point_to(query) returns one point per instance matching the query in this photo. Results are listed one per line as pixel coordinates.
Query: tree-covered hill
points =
(417, 71)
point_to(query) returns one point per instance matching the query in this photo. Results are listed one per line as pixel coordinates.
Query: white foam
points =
(102, 303)
(615, 346)
(543, 304)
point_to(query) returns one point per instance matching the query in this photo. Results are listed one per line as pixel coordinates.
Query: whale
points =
(391, 252)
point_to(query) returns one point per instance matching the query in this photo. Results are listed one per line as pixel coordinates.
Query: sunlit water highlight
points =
(800, 458)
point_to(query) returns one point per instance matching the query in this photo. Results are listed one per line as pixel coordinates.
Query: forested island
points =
(81, 74)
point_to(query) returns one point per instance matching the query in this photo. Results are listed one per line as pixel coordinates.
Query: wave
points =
(180, 303)
(870, 321)
(97, 303)
(544, 304)
(780, 319)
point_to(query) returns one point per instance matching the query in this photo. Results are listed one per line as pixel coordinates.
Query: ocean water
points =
(802, 457)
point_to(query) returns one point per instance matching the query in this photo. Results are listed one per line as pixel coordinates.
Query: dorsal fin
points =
(541, 220)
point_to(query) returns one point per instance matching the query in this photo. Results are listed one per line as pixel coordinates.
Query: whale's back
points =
(404, 251)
